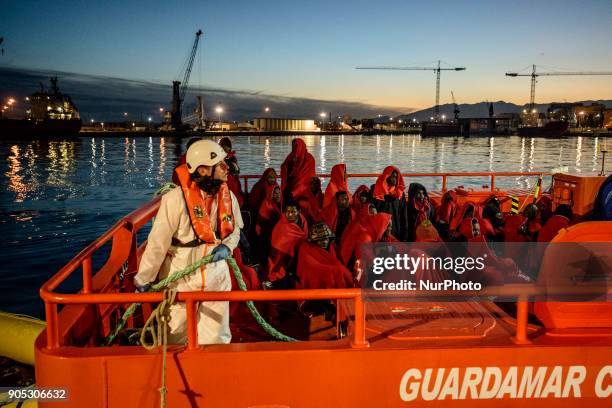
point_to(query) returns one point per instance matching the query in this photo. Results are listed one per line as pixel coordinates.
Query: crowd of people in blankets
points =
(303, 237)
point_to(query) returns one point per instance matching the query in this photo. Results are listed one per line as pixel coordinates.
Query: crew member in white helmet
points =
(201, 217)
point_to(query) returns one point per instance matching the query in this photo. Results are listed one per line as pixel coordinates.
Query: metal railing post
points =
(192, 328)
(52, 327)
(492, 182)
(359, 340)
(87, 279)
(522, 315)
(444, 183)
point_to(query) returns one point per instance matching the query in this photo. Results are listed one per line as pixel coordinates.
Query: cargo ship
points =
(389, 354)
(51, 114)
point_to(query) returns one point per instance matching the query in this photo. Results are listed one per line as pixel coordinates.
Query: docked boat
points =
(51, 114)
(553, 129)
(390, 353)
(432, 129)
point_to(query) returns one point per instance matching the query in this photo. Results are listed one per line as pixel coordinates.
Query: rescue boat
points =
(392, 353)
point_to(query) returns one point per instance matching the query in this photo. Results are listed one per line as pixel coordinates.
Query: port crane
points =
(179, 88)
(437, 69)
(456, 110)
(534, 75)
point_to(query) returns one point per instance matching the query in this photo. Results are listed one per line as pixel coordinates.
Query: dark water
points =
(57, 196)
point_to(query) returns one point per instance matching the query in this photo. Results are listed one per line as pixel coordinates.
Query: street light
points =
(161, 109)
(266, 109)
(219, 110)
(443, 117)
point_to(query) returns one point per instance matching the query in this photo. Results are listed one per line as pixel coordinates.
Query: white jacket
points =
(160, 257)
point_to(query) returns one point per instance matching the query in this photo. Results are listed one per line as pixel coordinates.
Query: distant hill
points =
(107, 98)
(481, 109)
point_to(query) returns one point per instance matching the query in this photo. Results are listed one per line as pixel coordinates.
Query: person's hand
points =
(220, 253)
(143, 288)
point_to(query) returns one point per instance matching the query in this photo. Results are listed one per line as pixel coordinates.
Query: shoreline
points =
(417, 131)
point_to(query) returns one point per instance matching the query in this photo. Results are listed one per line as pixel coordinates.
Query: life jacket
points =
(199, 208)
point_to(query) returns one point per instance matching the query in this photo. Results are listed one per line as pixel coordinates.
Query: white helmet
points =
(204, 153)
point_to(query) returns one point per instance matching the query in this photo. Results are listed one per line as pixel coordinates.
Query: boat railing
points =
(123, 260)
(443, 176)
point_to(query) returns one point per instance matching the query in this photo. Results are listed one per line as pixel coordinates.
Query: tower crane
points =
(534, 75)
(437, 69)
(456, 110)
(179, 88)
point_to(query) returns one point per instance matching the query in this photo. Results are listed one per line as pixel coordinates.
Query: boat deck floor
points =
(400, 325)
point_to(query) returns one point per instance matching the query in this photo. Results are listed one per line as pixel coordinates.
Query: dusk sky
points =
(309, 49)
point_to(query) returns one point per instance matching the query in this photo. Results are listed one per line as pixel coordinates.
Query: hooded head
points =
(321, 235)
(390, 182)
(470, 228)
(269, 175)
(418, 193)
(342, 201)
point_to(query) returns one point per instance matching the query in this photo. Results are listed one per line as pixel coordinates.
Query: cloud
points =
(106, 98)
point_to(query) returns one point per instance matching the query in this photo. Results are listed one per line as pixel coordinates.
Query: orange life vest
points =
(199, 208)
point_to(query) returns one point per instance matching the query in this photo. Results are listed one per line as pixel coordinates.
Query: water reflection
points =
(412, 153)
(578, 153)
(162, 157)
(595, 154)
(151, 161)
(15, 180)
(322, 155)
(491, 152)
(267, 154)
(92, 173)
(103, 162)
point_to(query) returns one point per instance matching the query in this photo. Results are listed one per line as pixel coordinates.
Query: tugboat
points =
(51, 114)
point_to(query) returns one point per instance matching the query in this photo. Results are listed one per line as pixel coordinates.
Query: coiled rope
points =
(164, 283)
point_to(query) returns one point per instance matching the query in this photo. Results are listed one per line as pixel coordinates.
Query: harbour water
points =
(56, 196)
